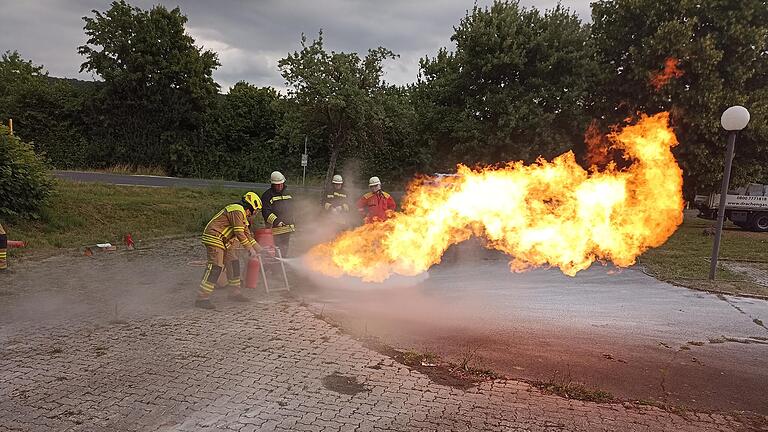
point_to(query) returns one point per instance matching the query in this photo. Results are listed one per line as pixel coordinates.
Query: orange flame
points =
(660, 79)
(547, 213)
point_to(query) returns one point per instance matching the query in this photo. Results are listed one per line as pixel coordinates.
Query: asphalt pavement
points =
(613, 329)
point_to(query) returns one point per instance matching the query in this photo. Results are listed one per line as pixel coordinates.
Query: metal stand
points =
(282, 268)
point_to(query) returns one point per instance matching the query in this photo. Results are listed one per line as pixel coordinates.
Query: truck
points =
(746, 207)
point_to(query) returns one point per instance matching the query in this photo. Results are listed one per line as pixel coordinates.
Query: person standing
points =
(278, 212)
(228, 226)
(336, 202)
(3, 249)
(376, 205)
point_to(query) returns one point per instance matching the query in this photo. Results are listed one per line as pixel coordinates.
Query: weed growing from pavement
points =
(563, 385)
(674, 409)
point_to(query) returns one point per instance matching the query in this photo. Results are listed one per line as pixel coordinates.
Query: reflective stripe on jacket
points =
(336, 198)
(231, 222)
(277, 209)
(376, 206)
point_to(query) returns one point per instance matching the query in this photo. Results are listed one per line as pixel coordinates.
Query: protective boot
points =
(234, 282)
(207, 285)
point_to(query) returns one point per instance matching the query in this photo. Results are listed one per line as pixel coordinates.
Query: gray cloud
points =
(251, 36)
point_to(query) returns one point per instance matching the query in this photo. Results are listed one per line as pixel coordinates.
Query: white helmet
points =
(277, 178)
(337, 179)
(374, 181)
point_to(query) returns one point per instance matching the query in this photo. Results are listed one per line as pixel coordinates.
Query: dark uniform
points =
(278, 214)
(336, 199)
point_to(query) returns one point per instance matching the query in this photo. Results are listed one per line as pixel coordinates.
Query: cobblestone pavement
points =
(269, 365)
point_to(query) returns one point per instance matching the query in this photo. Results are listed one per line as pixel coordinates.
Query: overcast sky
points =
(251, 36)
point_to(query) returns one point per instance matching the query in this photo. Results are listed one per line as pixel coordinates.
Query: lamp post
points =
(733, 120)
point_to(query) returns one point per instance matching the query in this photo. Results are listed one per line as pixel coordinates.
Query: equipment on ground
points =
(255, 267)
(746, 207)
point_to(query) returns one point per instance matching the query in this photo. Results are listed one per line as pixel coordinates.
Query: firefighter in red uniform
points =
(376, 205)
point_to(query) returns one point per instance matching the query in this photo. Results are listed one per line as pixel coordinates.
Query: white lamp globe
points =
(735, 118)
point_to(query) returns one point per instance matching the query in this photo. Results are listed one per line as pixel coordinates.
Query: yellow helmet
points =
(252, 200)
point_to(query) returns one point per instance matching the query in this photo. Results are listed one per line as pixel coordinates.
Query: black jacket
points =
(336, 198)
(277, 209)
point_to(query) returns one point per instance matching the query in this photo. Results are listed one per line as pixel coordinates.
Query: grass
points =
(82, 214)
(684, 258)
(573, 390)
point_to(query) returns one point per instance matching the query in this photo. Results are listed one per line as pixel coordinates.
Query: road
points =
(158, 181)
(615, 330)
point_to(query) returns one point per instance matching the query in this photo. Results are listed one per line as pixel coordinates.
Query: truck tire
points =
(760, 222)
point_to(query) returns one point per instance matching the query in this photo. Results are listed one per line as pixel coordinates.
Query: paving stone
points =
(261, 367)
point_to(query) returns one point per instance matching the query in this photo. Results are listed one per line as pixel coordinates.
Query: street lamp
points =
(733, 120)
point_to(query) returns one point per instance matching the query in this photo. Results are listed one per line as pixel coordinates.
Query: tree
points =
(334, 95)
(158, 85)
(517, 86)
(25, 182)
(46, 111)
(239, 137)
(722, 51)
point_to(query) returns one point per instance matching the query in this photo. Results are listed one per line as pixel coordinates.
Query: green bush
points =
(25, 181)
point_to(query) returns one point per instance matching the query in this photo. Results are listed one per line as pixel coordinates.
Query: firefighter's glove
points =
(252, 253)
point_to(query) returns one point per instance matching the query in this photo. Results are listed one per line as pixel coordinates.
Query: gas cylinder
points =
(252, 273)
(264, 238)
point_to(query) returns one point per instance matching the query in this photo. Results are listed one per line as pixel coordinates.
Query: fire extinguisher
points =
(253, 273)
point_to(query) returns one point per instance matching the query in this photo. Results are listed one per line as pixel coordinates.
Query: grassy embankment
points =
(684, 258)
(83, 214)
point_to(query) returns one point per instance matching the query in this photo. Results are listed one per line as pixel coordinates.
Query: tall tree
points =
(239, 138)
(46, 111)
(158, 84)
(721, 49)
(515, 87)
(334, 92)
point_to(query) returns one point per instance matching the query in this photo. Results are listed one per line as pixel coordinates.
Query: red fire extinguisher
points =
(253, 273)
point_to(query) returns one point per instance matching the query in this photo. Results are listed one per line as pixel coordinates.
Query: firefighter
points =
(3, 249)
(376, 205)
(278, 212)
(227, 227)
(336, 204)
(336, 199)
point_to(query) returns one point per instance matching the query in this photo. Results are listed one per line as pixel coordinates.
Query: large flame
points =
(548, 213)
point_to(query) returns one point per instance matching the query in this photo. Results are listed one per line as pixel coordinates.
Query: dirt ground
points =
(163, 277)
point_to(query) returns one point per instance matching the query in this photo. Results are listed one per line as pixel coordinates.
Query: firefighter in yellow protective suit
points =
(221, 235)
(3, 249)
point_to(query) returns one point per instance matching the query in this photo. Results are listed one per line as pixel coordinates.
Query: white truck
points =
(746, 207)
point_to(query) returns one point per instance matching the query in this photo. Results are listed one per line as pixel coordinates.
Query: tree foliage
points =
(722, 52)
(517, 86)
(334, 93)
(157, 88)
(25, 182)
(45, 110)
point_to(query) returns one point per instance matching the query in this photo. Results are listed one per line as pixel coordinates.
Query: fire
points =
(544, 214)
(660, 79)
